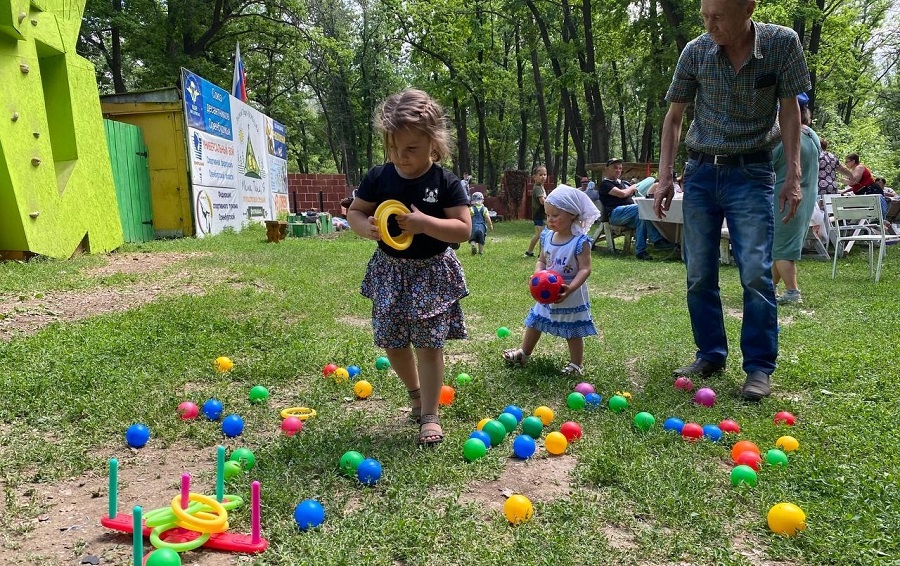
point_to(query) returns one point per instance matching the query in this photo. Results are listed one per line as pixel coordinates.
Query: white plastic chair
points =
(858, 219)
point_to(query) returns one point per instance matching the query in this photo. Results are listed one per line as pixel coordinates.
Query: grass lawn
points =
(72, 386)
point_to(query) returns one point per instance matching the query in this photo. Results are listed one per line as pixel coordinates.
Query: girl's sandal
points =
(516, 357)
(415, 413)
(430, 431)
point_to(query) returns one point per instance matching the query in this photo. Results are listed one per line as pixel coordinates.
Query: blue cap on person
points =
(802, 99)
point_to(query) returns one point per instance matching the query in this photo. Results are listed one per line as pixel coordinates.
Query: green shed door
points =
(131, 175)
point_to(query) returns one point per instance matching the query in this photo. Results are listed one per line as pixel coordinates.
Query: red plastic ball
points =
(784, 417)
(291, 426)
(329, 369)
(546, 286)
(729, 425)
(571, 430)
(749, 458)
(691, 431)
(684, 383)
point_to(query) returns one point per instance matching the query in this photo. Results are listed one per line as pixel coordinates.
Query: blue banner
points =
(207, 107)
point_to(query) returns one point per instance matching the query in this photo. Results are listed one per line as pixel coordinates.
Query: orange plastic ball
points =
(743, 446)
(448, 394)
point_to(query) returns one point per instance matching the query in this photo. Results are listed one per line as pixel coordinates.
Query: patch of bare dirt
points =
(65, 527)
(22, 316)
(540, 480)
(630, 294)
(354, 321)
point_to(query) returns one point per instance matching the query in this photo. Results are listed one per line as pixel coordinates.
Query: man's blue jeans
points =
(742, 195)
(627, 215)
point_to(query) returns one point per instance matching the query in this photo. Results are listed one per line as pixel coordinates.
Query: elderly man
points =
(737, 74)
(616, 195)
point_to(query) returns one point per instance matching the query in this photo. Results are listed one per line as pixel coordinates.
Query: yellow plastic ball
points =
(625, 394)
(518, 509)
(223, 364)
(556, 443)
(483, 422)
(340, 375)
(786, 519)
(362, 388)
(787, 443)
(545, 414)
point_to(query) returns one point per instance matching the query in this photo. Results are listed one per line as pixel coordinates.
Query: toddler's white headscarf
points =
(574, 201)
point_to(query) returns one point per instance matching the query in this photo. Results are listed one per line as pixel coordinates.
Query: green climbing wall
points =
(56, 185)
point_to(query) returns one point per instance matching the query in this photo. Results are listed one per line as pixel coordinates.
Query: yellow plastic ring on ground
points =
(301, 413)
(384, 211)
(203, 522)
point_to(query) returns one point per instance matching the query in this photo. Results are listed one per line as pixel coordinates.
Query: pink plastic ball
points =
(188, 411)
(684, 383)
(291, 426)
(705, 396)
(584, 388)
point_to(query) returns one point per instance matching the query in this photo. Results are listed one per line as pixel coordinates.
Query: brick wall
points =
(304, 189)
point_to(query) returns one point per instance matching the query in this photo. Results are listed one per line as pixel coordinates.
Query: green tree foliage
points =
(561, 82)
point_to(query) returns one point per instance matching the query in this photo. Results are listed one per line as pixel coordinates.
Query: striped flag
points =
(239, 82)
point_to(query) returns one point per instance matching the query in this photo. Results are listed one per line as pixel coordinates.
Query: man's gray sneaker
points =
(791, 296)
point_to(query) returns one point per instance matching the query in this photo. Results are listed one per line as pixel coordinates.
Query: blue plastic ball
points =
(137, 435)
(212, 409)
(353, 371)
(673, 423)
(593, 400)
(369, 471)
(309, 513)
(514, 411)
(232, 426)
(482, 436)
(523, 446)
(712, 432)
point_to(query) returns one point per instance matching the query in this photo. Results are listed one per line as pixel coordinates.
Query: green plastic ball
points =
(349, 462)
(575, 401)
(502, 332)
(244, 457)
(163, 557)
(474, 449)
(382, 363)
(776, 457)
(508, 420)
(259, 394)
(533, 426)
(617, 403)
(232, 469)
(495, 430)
(743, 474)
(463, 379)
(644, 421)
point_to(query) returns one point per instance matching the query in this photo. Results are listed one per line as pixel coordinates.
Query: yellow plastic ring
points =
(301, 413)
(164, 515)
(384, 211)
(203, 522)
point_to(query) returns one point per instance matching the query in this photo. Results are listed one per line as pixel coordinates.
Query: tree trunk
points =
(570, 105)
(542, 106)
(523, 110)
(464, 159)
